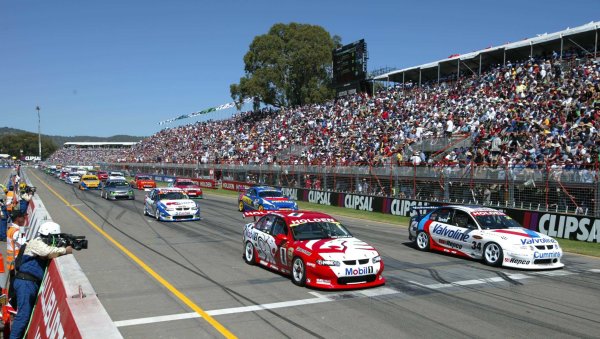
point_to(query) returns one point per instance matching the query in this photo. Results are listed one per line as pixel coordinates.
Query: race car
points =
(188, 186)
(313, 248)
(265, 198)
(170, 204)
(483, 233)
(72, 178)
(102, 175)
(89, 181)
(143, 182)
(116, 189)
(116, 176)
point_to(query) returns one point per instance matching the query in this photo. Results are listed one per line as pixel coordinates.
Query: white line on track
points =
(330, 297)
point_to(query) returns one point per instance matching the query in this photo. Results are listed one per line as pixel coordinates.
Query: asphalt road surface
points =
(187, 268)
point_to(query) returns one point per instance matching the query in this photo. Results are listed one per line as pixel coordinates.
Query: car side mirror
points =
(280, 239)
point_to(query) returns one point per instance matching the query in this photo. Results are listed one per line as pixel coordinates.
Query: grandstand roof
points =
(497, 55)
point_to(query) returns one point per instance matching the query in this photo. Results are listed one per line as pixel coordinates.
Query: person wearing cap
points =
(14, 240)
(28, 277)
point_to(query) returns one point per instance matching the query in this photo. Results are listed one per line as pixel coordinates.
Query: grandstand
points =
(513, 124)
(89, 153)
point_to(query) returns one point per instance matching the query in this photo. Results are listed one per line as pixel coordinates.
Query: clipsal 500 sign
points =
(563, 226)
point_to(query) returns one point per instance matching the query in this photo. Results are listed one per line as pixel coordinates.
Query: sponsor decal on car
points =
(537, 241)
(323, 281)
(359, 270)
(450, 233)
(539, 255)
(304, 221)
(303, 251)
(517, 261)
(486, 212)
(450, 244)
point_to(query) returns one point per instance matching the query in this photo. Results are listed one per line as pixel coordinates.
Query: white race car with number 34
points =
(483, 233)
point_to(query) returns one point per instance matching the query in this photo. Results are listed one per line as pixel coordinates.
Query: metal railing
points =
(549, 188)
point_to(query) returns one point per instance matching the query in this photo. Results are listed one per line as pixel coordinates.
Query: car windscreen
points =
(118, 184)
(143, 177)
(496, 221)
(270, 194)
(319, 230)
(172, 196)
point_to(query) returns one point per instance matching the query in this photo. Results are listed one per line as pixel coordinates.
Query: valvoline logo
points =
(359, 270)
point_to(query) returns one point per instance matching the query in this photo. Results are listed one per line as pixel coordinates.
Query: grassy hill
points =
(60, 140)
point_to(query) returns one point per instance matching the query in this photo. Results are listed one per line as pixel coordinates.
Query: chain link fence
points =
(551, 188)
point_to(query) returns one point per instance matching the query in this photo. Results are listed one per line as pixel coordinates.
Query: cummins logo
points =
(317, 197)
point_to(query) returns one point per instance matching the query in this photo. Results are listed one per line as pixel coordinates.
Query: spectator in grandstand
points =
(30, 272)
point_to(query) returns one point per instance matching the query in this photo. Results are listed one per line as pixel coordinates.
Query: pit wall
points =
(67, 305)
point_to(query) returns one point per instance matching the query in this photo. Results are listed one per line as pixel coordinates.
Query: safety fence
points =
(545, 188)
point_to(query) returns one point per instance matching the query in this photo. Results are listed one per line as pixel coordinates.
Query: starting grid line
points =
(331, 297)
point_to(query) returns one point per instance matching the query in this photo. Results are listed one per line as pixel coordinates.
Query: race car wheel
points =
(298, 272)
(261, 208)
(249, 253)
(146, 211)
(157, 215)
(422, 241)
(492, 254)
(241, 206)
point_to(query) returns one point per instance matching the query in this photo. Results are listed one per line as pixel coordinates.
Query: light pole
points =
(37, 108)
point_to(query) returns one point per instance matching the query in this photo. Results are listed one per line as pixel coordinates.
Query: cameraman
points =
(30, 272)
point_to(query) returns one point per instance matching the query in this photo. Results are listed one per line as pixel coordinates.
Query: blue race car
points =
(265, 198)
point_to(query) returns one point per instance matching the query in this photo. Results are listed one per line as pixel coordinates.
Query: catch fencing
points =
(551, 188)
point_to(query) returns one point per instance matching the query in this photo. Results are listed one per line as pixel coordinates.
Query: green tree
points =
(290, 65)
(25, 144)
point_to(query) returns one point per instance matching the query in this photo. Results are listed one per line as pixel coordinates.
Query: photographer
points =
(30, 271)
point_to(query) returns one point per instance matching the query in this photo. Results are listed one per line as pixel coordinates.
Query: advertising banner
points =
(235, 185)
(205, 183)
(52, 317)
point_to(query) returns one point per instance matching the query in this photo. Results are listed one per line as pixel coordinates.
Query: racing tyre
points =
(157, 215)
(298, 272)
(261, 208)
(492, 254)
(422, 241)
(145, 211)
(249, 253)
(241, 206)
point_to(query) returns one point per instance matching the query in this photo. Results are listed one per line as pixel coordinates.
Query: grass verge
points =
(572, 246)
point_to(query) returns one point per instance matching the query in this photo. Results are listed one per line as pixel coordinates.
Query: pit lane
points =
(426, 295)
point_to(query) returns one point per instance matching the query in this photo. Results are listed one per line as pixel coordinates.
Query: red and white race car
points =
(312, 247)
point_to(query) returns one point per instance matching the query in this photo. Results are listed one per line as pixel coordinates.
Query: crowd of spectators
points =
(74, 155)
(530, 114)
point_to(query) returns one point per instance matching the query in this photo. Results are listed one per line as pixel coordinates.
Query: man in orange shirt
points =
(15, 236)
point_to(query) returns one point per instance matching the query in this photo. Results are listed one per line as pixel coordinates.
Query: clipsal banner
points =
(575, 227)
(52, 317)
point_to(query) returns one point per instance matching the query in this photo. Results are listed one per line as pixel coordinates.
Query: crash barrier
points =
(545, 188)
(206, 183)
(67, 305)
(235, 185)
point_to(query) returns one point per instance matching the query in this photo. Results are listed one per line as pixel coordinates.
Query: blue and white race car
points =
(483, 233)
(170, 204)
(265, 198)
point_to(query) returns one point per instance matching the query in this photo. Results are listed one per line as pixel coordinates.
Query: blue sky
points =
(111, 67)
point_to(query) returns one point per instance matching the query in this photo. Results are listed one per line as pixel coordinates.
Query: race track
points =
(427, 295)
